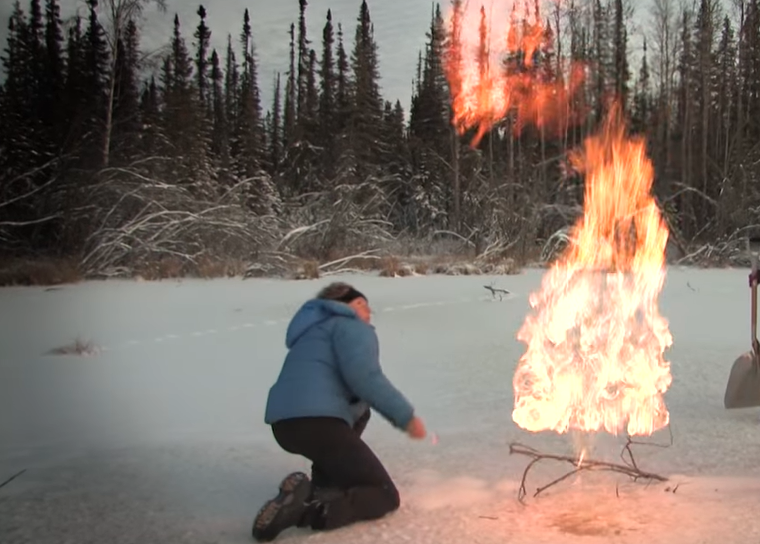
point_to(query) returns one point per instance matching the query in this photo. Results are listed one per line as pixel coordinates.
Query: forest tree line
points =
(119, 156)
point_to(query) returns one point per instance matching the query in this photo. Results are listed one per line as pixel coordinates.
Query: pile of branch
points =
(628, 467)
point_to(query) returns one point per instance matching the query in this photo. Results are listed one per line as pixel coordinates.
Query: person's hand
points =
(416, 429)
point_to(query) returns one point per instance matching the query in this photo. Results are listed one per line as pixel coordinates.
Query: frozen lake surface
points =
(160, 438)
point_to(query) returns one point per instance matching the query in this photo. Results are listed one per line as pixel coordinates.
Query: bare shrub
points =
(40, 272)
(308, 270)
(507, 267)
(209, 267)
(440, 243)
(170, 267)
(366, 263)
(347, 219)
(164, 268)
(462, 269)
(406, 270)
(421, 268)
(135, 221)
(80, 347)
(390, 267)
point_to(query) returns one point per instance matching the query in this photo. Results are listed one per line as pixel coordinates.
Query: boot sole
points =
(293, 489)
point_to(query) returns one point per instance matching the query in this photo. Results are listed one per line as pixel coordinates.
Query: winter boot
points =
(285, 510)
(316, 506)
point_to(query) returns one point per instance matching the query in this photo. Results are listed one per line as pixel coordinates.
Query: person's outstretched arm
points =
(358, 355)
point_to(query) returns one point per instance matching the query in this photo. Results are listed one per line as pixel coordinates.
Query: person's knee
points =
(392, 498)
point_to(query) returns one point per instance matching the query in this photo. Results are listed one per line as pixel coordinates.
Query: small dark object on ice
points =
(497, 291)
(84, 348)
(9, 480)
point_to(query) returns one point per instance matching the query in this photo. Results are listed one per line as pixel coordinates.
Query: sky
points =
(400, 27)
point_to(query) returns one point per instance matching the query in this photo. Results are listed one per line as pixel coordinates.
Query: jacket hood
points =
(312, 313)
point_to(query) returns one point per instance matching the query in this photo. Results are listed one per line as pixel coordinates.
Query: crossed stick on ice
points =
(628, 467)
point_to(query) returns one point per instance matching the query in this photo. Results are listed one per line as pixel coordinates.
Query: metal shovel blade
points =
(743, 389)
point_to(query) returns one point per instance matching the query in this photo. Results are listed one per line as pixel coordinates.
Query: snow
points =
(159, 437)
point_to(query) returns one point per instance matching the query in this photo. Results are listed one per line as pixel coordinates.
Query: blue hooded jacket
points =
(333, 369)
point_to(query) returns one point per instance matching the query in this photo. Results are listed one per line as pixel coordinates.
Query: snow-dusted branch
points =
(137, 219)
(453, 234)
(30, 222)
(30, 174)
(370, 254)
(345, 218)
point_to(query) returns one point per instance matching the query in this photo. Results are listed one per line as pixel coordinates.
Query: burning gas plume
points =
(595, 338)
(498, 70)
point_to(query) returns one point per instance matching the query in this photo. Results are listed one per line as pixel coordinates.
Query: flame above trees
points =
(595, 340)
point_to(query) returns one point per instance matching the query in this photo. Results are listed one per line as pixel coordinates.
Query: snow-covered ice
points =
(159, 437)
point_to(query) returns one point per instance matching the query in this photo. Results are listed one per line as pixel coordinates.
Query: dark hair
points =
(340, 292)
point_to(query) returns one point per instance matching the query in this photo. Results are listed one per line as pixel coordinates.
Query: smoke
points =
(431, 491)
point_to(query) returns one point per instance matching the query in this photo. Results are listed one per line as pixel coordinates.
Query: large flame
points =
(501, 63)
(595, 340)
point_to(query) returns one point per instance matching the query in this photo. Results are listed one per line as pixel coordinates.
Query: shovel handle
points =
(754, 278)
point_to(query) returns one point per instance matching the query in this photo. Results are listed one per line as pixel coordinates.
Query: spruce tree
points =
(16, 110)
(249, 154)
(202, 40)
(367, 106)
(53, 115)
(342, 86)
(642, 98)
(275, 128)
(248, 151)
(303, 66)
(328, 124)
(220, 145)
(183, 118)
(95, 72)
(620, 48)
(231, 83)
(74, 100)
(291, 96)
(152, 138)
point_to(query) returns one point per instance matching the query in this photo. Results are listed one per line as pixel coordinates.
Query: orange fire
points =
(595, 339)
(495, 72)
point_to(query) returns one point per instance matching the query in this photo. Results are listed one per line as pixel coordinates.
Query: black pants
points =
(341, 460)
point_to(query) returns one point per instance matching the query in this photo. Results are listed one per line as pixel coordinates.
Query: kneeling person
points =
(319, 407)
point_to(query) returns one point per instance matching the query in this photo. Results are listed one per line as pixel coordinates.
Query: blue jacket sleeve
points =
(358, 355)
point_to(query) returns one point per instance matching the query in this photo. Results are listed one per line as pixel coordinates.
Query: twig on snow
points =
(9, 480)
(497, 291)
